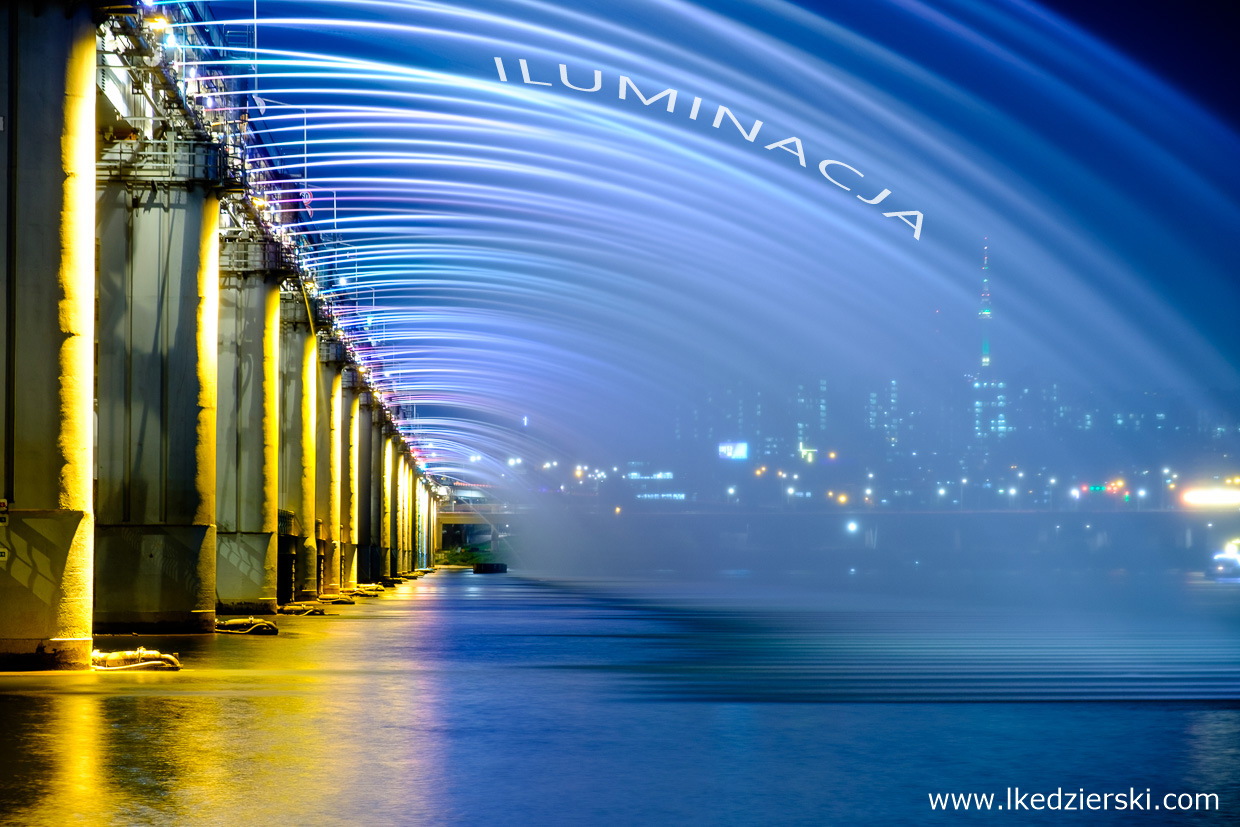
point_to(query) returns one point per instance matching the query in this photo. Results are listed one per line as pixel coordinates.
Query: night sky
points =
(1192, 44)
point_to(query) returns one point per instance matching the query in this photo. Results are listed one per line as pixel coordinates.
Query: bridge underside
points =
(178, 411)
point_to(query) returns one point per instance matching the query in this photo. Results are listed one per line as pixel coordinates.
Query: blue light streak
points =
(508, 247)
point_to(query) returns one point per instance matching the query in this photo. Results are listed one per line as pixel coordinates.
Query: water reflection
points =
(255, 731)
(490, 699)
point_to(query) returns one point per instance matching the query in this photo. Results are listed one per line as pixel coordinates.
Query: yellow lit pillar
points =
(386, 491)
(331, 361)
(420, 519)
(394, 561)
(410, 516)
(404, 512)
(425, 522)
(350, 430)
(47, 61)
(364, 489)
(377, 477)
(247, 488)
(158, 282)
(298, 437)
(432, 524)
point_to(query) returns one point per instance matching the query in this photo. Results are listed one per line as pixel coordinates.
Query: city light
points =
(1211, 497)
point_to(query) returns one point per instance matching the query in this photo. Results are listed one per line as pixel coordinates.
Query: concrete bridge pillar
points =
(402, 524)
(247, 491)
(388, 565)
(378, 450)
(410, 514)
(327, 498)
(364, 486)
(299, 384)
(158, 312)
(433, 533)
(47, 100)
(424, 522)
(402, 513)
(350, 433)
(419, 558)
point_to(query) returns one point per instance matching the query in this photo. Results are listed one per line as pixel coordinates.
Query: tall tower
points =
(989, 394)
(984, 313)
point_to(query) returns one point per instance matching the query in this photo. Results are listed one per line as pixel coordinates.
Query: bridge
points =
(183, 422)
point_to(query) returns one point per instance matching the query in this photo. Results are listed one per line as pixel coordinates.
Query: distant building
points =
(989, 395)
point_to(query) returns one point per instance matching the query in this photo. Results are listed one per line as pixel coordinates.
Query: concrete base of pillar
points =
(194, 622)
(48, 653)
(245, 574)
(37, 575)
(151, 579)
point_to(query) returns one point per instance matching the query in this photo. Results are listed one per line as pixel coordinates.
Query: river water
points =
(501, 699)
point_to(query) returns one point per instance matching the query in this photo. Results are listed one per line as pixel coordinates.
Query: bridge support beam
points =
(402, 513)
(364, 478)
(378, 451)
(157, 395)
(411, 515)
(248, 445)
(47, 99)
(425, 520)
(350, 432)
(399, 491)
(390, 458)
(433, 534)
(327, 498)
(299, 361)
